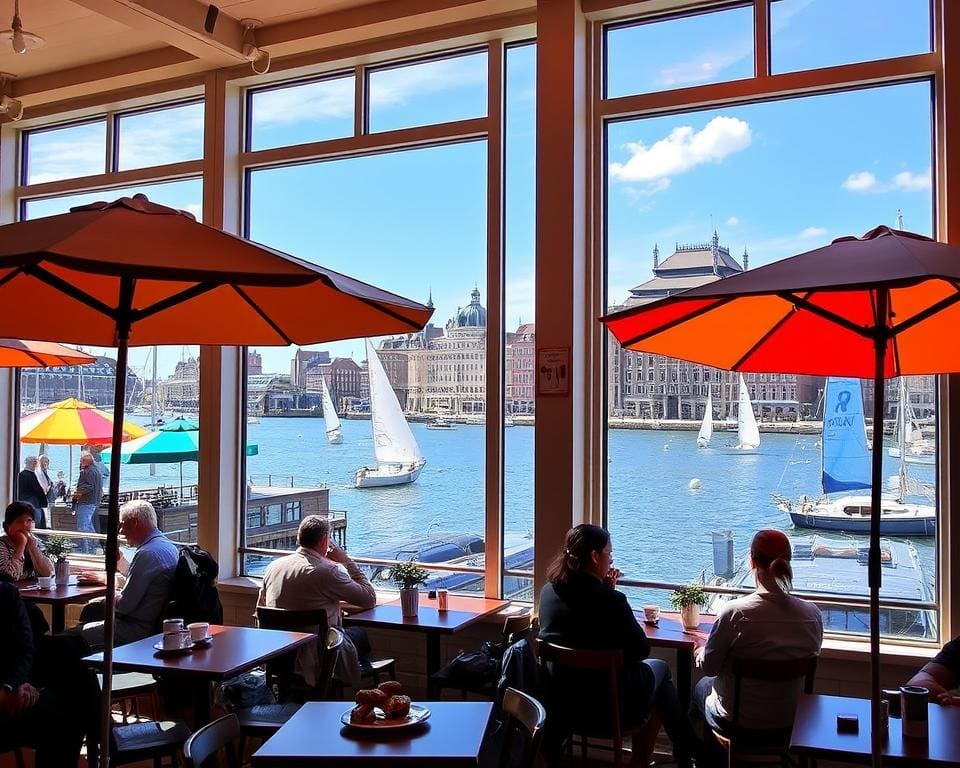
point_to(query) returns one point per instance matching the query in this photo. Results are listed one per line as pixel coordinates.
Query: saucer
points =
(202, 641)
(652, 623)
(161, 651)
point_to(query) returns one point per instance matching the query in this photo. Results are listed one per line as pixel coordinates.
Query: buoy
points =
(694, 484)
(666, 446)
(299, 435)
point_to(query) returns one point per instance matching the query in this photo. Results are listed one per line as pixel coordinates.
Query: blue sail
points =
(844, 452)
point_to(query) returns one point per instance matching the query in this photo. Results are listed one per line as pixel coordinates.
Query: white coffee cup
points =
(171, 641)
(172, 625)
(45, 582)
(651, 613)
(199, 630)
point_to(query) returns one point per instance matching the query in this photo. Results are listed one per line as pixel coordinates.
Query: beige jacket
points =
(305, 581)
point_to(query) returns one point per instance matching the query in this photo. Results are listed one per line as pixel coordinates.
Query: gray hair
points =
(313, 529)
(29, 462)
(141, 510)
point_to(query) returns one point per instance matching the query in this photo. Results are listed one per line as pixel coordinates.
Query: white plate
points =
(417, 715)
(158, 647)
(202, 641)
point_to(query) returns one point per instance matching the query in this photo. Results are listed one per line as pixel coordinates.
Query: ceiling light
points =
(259, 59)
(9, 106)
(22, 40)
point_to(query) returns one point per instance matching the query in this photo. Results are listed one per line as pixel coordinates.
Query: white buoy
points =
(694, 484)
(299, 435)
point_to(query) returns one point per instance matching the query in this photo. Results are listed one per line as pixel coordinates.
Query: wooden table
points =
(815, 734)
(671, 634)
(314, 736)
(232, 651)
(461, 613)
(58, 598)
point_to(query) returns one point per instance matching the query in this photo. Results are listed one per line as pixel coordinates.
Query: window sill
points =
(912, 656)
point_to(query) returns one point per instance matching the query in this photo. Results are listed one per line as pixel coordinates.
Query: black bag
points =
(473, 668)
(193, 595)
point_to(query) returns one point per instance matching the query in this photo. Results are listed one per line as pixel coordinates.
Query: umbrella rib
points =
(260, 312)
(928, 312)
(763, 339)
(189, 293)
(62, 285)
(802, 303)
(677, 321)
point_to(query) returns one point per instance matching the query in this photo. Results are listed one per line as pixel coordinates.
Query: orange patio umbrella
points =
(19, 353)
(874, 307)
(132, 272)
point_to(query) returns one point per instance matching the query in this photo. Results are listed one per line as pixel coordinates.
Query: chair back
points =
(772, 670)
(221, 737)
(280, 671)
(333, 642)
(526, 713)
(515, 628)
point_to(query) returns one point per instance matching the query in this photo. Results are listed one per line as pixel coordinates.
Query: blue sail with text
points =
(845, 457)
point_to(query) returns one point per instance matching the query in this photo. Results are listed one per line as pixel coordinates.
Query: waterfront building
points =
(303, 359)
(254, 362)
(342, 376)
(181, 391)
(520, 364)
(93, 383)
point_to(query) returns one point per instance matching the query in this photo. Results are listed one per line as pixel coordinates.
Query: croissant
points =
(391, 687)
(372, 696)
(397, 707)
(362, 713)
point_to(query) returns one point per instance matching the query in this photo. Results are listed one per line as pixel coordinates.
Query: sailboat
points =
(399, 460)
(706, 427)
(748, 434)
(911, 443)
(330, 417)
(845, 466)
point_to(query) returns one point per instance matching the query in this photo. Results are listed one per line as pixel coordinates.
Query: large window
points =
(700, 195)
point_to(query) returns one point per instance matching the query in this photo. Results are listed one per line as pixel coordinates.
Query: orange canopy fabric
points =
(19, 353)
(191, 284)
(816, 313)
(73, 422)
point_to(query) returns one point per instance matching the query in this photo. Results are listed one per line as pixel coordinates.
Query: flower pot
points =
(61, 569)
(690, 616)
(409, 602)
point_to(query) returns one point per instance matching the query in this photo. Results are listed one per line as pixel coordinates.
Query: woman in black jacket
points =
(580, 607)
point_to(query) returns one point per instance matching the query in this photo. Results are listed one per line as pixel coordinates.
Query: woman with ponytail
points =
(580, 607)
(769, 623)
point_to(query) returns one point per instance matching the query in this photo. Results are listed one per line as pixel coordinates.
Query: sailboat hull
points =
(335, 436)
(851, 514)
(387, 474)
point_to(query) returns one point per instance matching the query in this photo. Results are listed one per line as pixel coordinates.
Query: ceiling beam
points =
(179, 23)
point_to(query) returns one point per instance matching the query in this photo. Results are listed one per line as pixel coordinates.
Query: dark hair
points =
(17, 509)
(770, 552)
(312, 530)
(579, 543)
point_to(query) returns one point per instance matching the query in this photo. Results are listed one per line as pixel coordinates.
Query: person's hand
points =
(698, 656)
(336, 554)
(27, 696)
(19, 538)
(948, 699)
(613, 575)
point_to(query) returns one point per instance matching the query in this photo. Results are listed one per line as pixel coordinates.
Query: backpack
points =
(193, 594)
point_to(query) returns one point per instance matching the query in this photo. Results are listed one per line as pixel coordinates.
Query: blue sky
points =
(776, 178)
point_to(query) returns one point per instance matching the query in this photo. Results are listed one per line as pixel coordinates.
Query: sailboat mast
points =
(153, 414)
(902, 439)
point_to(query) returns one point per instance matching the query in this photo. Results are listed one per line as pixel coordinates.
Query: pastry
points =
(391, 687)
(362, 713)
(372, 696)
(397, 707)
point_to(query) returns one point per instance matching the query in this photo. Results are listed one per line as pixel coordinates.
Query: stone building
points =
(93, 383)
(254, 363)
(521, 369)
(181, 391)
(303, 359)
(342, 377)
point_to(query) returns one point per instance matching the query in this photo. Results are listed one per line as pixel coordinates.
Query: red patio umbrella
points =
(872, 307)
(132, 272)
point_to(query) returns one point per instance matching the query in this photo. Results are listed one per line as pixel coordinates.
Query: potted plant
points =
(57, 548)
(407, 576)
(689, 599)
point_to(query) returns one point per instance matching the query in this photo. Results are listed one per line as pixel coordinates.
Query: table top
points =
(314, 736)
(671, 634)
(232, 650)
(461, 613)
(69, 593)
(815, 733)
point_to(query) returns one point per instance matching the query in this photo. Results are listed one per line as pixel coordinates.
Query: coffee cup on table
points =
(913, 710)
(892, 695)
(199, 630)
(651, 614)
(172, 625)
(45, 582)
(171, 641)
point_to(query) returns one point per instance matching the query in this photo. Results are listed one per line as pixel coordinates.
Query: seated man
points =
(148, 579)
(28, 717)
(318, 575)
(941, 675)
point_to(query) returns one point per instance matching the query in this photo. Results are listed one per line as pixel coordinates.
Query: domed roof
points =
(473, 315)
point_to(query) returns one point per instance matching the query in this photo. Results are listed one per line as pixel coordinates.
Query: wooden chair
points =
(772, 745)
(148, 740)
(524, 716)
(557, 657)
(221, 737)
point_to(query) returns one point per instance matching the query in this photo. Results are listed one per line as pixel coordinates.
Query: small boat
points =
(399, 460)
(507, 420)
(706, 427)
(330, 418)
(748, 433)
(440, 423)
(845, 466)
(912, 446)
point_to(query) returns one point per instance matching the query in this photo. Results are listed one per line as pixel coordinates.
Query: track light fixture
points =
(9, 106)
(259, 59)
(21, 39)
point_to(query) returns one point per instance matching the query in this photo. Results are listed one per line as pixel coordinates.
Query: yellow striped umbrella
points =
(73, 422)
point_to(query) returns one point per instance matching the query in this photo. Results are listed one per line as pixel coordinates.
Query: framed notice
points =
(553, 371)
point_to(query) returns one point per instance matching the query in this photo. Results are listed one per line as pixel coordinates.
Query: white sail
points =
(393, 442)
(330, 417)
(748, 434)
(706, 427)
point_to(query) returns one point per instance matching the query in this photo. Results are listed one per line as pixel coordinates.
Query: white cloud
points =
(864, 181)
(912, 182)
(323, 100)
(811, 232)
(706, 66)
(733, 221)
(683, 150)
(905, 181)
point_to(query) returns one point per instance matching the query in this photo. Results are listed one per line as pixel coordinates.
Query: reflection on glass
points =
(689, 203)
(186, 195)
(160, 136)
(435, 91)
(680, 52)
(65, 153)
(298, 114)
(806, 34)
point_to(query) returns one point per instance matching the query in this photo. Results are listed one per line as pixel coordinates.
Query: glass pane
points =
(806, 34)
(298, 114)
(186, 195)
(435, 91)
(672, 504)
(519, 292)
(65, 153)
(160, 136)
(424, 203)
(680, 52)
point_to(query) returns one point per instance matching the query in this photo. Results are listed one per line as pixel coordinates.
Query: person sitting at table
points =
(149, 577)
(580, 607)
(769, 623)
(20, 555)
(941, 675)
(40, 719)
(319, 575)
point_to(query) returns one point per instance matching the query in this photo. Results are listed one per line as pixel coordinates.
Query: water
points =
(661, 528)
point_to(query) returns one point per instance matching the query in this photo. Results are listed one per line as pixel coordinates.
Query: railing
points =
(286, 481)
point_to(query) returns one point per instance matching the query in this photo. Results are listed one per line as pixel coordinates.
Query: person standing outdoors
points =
(46, 484)
(29, 490)
(87, 497)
